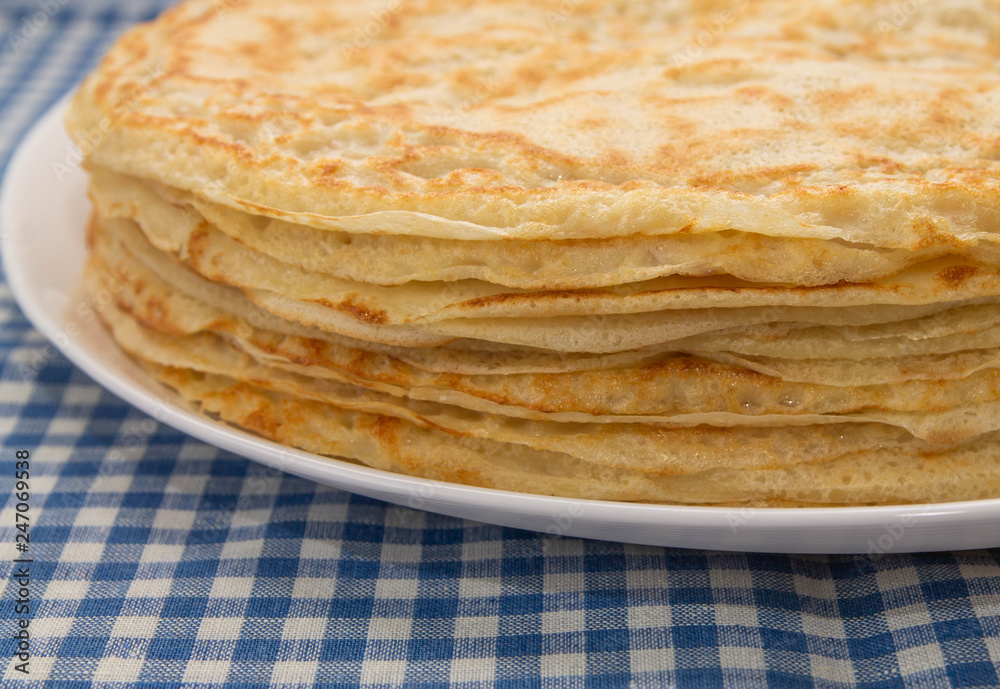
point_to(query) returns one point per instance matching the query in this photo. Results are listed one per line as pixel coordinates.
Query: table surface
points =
(160, 561)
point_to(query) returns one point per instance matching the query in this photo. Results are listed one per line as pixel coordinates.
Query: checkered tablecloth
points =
(162, 562)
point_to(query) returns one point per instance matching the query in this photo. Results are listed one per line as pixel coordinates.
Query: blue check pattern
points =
(162, 562)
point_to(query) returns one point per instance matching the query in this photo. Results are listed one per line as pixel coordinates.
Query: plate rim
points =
(443, 496)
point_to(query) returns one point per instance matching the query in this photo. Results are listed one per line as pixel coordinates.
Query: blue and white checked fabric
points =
(162, 562)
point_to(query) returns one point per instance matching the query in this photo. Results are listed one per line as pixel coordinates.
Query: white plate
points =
(43, 209)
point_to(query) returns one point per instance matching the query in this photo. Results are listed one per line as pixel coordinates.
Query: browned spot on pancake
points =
(155, 317)
(93, 229)
(238, 150)
(468, 477)
(310, 352)
(385, 430)
(956, 276)
(689, 365)
(157, 311)
(358, 311)
(788, 174)
(886, 165)
(840, 99)
(758, 94)
(513, 297)
(931, 236)
(552, 393)
(261, 421)
(196, 243)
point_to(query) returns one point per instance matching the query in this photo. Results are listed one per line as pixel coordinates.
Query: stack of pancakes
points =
(685, 252)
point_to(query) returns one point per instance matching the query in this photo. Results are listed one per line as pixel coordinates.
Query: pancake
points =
(583, 332)
(170, 215)
(219, 258)
(565, 252)
(875, 477)
(644, 460)
(681, 390)
(487, 124)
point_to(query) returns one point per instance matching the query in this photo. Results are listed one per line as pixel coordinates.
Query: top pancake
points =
(847, 120)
